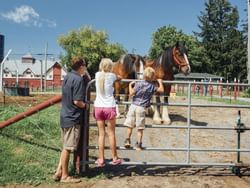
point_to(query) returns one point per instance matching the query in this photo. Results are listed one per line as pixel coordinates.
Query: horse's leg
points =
(165, 117)
(150, 111)
(126, 97)
(157, 118)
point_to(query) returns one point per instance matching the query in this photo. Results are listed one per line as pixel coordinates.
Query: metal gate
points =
(239, 128)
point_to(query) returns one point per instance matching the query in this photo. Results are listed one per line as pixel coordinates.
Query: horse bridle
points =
(178, 62)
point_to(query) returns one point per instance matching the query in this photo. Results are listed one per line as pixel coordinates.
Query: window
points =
(28, 71)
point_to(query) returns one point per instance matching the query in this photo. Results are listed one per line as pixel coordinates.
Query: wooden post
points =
(234, 88)
(217, 88)
(202, 89)
(82, 151)
(238, 88)
(210, 88)
(221, 87)
(193, 88)
(227, 90)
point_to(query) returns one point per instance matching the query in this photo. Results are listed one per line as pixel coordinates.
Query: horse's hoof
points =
(157, 122)
(167, 122)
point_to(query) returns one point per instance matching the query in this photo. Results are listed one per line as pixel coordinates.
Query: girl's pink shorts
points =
(104, 113)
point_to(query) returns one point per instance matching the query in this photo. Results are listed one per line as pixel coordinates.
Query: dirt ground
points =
(174, 176)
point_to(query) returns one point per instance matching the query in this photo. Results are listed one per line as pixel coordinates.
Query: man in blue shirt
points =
(71, 113)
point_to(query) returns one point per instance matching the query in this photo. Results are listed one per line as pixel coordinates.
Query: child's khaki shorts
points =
(136, 117)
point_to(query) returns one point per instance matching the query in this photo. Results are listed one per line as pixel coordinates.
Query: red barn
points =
(27, 73)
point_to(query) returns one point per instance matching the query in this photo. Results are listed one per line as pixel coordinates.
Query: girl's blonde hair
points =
(105, 66)
(149, 74)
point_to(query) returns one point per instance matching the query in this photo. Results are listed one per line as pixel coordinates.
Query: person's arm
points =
(78, 93)
(86, 76)
(118, 77)
(81, 104)
(131, 89)
(160, 89)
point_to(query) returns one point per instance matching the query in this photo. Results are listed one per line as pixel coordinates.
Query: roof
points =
(28, 55)
(13, 65)
(195, 75)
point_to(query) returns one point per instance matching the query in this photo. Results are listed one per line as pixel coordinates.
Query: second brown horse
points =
(175, 56)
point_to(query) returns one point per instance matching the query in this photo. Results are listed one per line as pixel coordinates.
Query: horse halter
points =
(182, 60)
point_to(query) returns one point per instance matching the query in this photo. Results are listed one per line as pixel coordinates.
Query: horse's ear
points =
(177, 44)
(180, 43)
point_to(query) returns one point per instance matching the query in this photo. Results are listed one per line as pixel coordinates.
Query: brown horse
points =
(172, 56)
(129, 66)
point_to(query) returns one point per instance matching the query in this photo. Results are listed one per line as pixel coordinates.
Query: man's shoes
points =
(138, 146)
(127, 143)
(56, 177)
(70, 179)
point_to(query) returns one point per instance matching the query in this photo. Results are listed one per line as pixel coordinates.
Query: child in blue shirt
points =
(142, 93)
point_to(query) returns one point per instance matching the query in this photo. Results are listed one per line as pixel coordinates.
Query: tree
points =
(168, 36)
(90, 45)
(223, 42)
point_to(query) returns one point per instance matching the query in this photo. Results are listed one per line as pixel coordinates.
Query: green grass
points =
(30, 148)
(217, 99)
(223, 100)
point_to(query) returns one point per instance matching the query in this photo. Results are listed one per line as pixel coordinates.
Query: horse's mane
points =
(166, 59)
(126, 60)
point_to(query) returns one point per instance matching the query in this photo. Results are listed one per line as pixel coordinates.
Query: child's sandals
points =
(117, 161)
(100, 163)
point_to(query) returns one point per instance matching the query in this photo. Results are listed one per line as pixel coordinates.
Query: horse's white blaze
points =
(139, 74)
(141, 70)
(186, 59)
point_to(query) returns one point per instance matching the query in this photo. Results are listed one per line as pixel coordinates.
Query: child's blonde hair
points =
(105, 66)
(149, 74)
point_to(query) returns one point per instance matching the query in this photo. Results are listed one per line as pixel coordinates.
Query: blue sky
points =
(28, 24)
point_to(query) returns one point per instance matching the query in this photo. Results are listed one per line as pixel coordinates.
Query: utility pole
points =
(41, 81)
(45, 71)
(248, 41)
(1, 69)
(17, 74)
(45, 54)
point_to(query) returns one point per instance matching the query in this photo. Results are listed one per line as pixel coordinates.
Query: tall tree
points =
(89, 44)
(168, 36)
(223, 42)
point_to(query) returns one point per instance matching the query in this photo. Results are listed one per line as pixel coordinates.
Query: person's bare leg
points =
(139, 135)
(101, 139)
(59, 167)
(112, 138)
(65, 163)
(129, 132)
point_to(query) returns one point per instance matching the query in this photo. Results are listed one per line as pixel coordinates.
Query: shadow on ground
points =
(111, 171)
